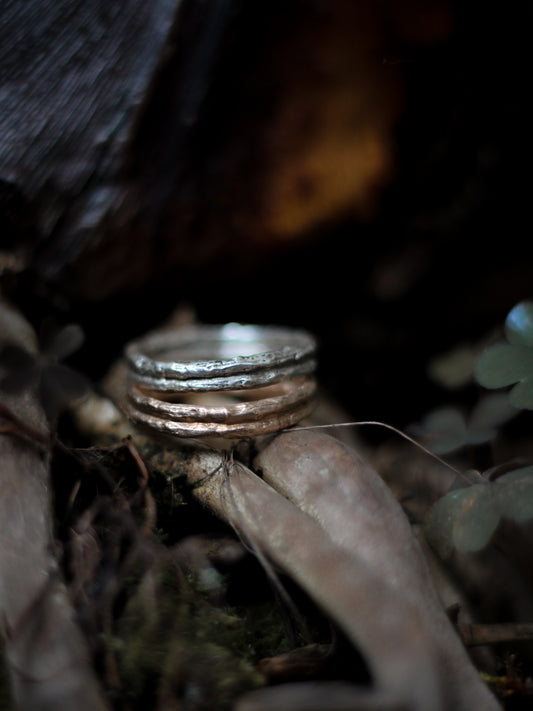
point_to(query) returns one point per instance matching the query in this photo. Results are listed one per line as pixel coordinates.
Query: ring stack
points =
(228, 381)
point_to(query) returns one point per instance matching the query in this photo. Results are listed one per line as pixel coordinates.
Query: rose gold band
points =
(258, 404)
(270, 387)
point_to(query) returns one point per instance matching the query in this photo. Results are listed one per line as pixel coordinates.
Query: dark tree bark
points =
(140, 138)
(76, 81)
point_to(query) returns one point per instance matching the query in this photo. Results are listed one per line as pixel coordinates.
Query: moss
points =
(265, 632)
(173, 644)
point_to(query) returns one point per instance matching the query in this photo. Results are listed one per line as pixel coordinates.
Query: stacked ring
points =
(262, 377)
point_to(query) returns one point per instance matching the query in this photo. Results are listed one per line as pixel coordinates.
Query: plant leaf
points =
(454, 369)
(444, 430)
(477, 519)
(514, 491)
(442, 516)
(504, 364)
(519, 324)
(15, 358)
(515, 500)
(64, 342)
(490, 412)
(59, 387)
(521, 395)
(520, 474)
(14, 383)
(465, 519)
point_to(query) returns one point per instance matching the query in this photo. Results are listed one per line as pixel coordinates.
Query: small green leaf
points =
(441, 518)
(515, 500)
(491, 412)
(515, 494)
(477, 520)
(521, 395)
(520, 474)
(519, 324)
(445, 430)
(465, 519)
(504, 364)
(453, 369)
(66, 341)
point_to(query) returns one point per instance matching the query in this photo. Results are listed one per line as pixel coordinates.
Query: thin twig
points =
(475, 635)
(150, 516)
(386, 426)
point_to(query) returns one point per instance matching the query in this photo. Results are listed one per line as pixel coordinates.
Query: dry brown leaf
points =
(332, 484)
(47, 655)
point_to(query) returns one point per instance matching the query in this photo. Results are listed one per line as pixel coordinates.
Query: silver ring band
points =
(253, 379)
(195, 352)
(261, 377)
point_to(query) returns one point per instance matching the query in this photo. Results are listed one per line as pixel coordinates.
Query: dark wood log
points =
(76, 80)
(145, 137)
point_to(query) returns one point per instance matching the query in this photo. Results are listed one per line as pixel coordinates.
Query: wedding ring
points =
(231, 381)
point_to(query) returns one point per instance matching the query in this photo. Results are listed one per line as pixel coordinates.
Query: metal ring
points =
(254, 379)
(260, 403)
(254, 428)
(267, 371)
(196, 352)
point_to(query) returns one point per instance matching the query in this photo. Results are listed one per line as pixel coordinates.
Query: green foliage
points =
(465, 519)
(511, 363)
(454, 369)
(56, 384)
(447, 429)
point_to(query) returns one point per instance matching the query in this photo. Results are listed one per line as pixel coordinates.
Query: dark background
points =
(428, 248)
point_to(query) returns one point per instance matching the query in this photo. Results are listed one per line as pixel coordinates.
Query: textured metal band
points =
(252, 379)
(268, 370)
(196, 352)
(254, 428)
(265, 404)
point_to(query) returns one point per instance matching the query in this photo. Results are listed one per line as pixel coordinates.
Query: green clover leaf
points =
(465, 519)
(511, 363)
(447, 429)
(57, 385)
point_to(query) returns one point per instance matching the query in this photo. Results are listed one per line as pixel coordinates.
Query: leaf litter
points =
(171, 621)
